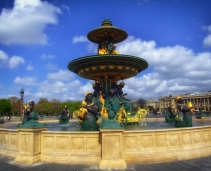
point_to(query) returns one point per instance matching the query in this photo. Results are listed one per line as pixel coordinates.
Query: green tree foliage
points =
(43, 106)
(53, 107)
(73, 106)
(15, 105)
(5, 106)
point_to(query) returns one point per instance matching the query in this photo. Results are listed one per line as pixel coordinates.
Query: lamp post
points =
(21, 95)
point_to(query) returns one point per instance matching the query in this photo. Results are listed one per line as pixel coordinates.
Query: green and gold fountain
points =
(108, 66)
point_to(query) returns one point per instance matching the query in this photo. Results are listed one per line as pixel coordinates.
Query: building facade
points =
(199, 101)
(153, 103)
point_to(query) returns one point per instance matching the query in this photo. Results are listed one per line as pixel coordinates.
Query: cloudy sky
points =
(39, 38)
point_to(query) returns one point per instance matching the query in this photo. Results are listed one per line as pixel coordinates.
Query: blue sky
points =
(39, 38)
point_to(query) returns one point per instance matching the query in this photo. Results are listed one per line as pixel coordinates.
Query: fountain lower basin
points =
(108, 147)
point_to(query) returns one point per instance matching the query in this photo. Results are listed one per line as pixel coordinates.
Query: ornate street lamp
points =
(21, 95)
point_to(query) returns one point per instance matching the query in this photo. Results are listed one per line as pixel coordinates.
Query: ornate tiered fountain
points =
(108, 67)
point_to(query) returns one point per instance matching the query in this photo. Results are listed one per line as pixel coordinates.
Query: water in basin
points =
(151, 124)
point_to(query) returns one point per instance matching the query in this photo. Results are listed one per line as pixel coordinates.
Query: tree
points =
(5, 106)
(55, 106)
(15, 105)
(43, 106)
(142, 103)
(73, 106)
(135, 106)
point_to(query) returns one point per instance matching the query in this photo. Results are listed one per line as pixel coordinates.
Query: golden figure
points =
(103, 111)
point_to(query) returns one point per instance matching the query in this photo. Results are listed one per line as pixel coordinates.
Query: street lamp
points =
(21, 95)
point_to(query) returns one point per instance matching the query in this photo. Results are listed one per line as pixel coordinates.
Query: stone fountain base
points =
(107, 148)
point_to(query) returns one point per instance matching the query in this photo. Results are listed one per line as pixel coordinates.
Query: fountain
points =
(107, 68)
(108, 147)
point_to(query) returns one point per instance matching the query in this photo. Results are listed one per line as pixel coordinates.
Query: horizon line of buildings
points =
(199, 101)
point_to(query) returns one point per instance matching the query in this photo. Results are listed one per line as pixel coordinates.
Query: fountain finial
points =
(106, 22)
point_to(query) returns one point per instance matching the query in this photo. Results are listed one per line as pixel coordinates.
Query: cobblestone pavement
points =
(199, 164)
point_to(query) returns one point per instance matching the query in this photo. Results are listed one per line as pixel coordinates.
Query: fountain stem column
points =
(106, 84)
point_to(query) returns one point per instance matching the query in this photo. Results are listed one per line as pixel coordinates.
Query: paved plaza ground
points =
(199, 164)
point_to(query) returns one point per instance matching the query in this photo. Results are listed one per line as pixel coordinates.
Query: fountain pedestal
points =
(112, 149)
(29, 146)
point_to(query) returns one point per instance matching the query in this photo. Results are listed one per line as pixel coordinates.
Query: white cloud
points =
(73, 90)
(77, 39)
(44, 56)
(25, 81)
(173, 69)
(65, 7)
(207, 39)
(3, 58)
(51, 66)
(15, 61)
(26, 22)
(29, 67)
(61, 75)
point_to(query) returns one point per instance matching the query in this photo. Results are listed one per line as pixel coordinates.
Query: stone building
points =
(153, 103)
(199, 101)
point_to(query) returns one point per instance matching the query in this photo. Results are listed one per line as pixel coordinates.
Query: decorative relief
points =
(174, 139)
(186, 138)
(206, 136)
(146, 141)
(92, 143)
(112, 146)
(77, 143)
(86, 69)
(62, 143)
(13, 140)
(161, 140)
(94, 68)
(25, 141)
(4, 138)
(111, 67)
(120, 67)
(102, 67)
(131, 143)
(196, 137)
(37, 143)
(0, 138)
(127, 68)
(48, 142)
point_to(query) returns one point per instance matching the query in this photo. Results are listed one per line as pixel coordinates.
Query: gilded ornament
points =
(94, 68)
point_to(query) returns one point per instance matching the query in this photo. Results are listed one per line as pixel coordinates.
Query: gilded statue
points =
(88, 114)
(107, 48)
(64, 115)
(27, 109)
(187, 112)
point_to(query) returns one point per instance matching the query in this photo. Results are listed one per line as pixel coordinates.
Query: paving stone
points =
(199, 164)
